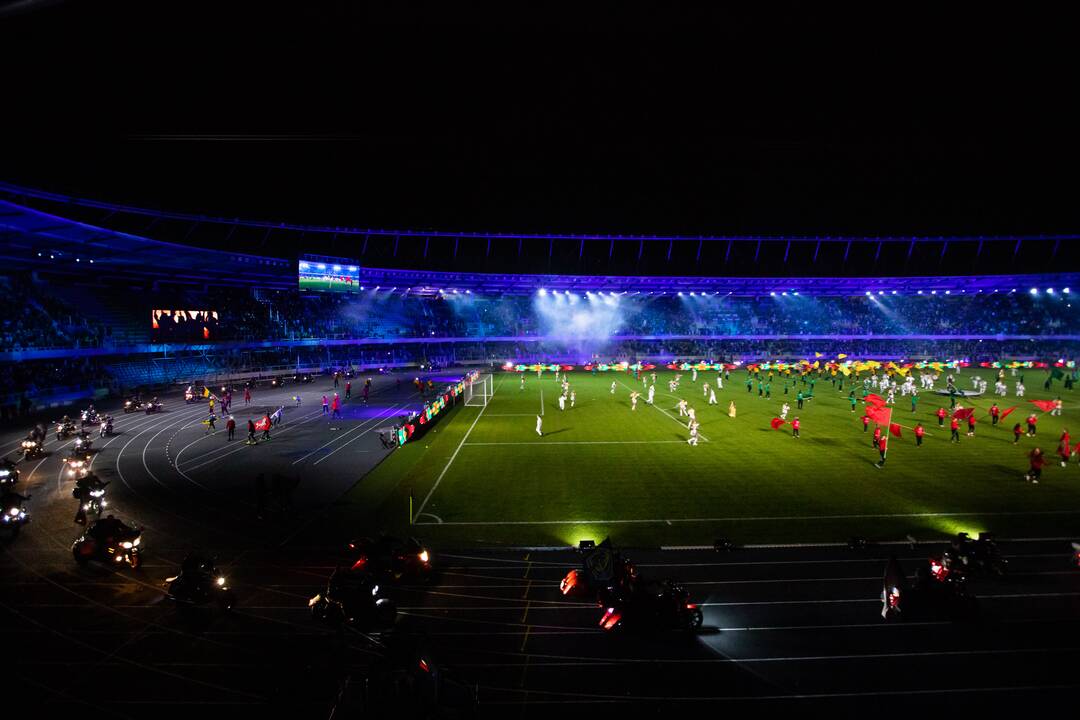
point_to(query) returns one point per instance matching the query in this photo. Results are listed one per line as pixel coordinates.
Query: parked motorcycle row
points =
(628, 600)
(939, 587)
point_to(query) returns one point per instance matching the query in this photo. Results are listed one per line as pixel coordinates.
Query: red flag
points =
(1044, 405)
(874, 400)
(1005, 413)
(963, 413)
(263, 424)
(776, 423)
(894, 428)
(880, 415)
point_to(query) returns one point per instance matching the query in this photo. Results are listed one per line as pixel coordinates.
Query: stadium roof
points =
(36, 240)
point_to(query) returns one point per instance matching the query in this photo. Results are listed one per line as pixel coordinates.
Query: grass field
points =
(482, 475)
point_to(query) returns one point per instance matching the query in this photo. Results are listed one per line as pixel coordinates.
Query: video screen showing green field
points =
(329, 277)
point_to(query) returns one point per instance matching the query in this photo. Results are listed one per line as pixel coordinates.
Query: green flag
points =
(1056, 374)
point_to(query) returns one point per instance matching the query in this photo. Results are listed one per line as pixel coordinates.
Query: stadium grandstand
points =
(83, 289)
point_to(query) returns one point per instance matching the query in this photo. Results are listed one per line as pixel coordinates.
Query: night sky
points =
(622, 117)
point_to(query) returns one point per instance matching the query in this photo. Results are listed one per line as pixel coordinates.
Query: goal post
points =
(478, 393)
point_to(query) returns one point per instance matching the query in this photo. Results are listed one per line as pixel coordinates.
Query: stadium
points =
(338, 446)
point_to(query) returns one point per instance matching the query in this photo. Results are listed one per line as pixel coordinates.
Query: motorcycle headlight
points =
(375, 590)
(13, 511)
(221, 581)
(137, 541)
(424, 556)
(127, 545)
(4, 473)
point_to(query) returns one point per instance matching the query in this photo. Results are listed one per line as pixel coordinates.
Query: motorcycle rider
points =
(83, 487)
(106, 426)
(107, 530)
(38, 433)
(12, 472)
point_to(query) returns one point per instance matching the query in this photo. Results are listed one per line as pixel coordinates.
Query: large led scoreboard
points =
(322, 274)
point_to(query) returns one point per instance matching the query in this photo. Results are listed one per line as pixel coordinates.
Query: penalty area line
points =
(454, 456)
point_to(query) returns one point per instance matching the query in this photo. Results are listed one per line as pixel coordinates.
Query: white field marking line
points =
(541, 401)
(374, 422)
(657, 407)
(454, 456)
(766, 519)
(370, 421)
(207, 436)
(582, 442)
(438, 520)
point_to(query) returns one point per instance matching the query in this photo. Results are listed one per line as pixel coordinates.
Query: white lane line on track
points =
(374, 423)
(206, 436)
(240, 447)
(665, 412)
(584, 698)
(456, 451)
(370, 421)
(773, 518)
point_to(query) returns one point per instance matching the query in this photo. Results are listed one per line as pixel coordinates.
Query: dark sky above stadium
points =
(601, 116)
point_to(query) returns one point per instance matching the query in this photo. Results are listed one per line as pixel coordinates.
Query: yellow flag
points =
(841, 356)
(817, 354)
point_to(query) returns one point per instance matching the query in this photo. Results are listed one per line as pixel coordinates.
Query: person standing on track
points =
(266, 427)
(251, 432)
(325, 405)
(348, 390)
(230, 425)
(795, 427)
(247, 396)
(336, 406)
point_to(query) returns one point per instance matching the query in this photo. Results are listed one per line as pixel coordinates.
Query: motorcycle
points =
(1076, 554)
(663, 605)
(936, 592)
(106, 427)
(31, 449)
(200, 584)
(353, 597)
(406, 679)
(133, 405)
(15, 515)
(111, 541)
(602, 567)
(89, 417)
(77, 465)
(391, 559)
(153, 407)
(93, 501)
(83, 442)
(9, 474)
(190, 397)
(966, 556)
(64, 429)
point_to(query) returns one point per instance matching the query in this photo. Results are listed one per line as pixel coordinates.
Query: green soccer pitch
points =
(483, 476)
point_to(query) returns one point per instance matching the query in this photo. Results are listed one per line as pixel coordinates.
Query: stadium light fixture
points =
(796, 293)
(1049, 291)
(692, 293)
(680, 293)
(920, 292)
(784, 293)
(880, 292)
(1064, 290)
(948, 292)
(893, 292)
(933, 292)
(92, 262)
(379, 286)
(1034, 291)
(868, 293)
(772, 294)
(541, 292)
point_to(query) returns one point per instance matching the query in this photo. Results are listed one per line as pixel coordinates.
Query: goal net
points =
(479, 392)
